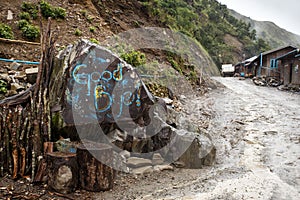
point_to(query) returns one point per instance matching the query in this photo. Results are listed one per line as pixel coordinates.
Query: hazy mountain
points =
(270, 32)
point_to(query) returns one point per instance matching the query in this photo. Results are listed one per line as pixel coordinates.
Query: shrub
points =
(31, 32)
(135, 58)
(77, 32)
(3, 86)
(90, 19)
(27, 6)
(30, 8)
(92, 29)
(193, 76)
(93, 40)
(34, 14)
(6, 32)
(60, 13)
(48, 10)
(83, 12)
(22, 23)
(175, 64)
(24, 15)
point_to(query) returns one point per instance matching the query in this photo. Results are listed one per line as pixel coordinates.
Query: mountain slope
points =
(270, 32)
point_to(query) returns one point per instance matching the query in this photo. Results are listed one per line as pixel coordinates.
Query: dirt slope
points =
(106, 17)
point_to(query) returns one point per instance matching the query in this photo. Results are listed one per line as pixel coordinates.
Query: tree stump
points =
(62, 172)
(93, 175)
(41, 174)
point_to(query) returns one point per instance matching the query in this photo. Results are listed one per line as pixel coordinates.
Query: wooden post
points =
(62, 172)
(93, 175)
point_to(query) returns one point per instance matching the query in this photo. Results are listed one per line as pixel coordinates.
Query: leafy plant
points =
(60, 13)
(3, 86)
(48, 10)
(30, 8)
(6, 31)
(193, 76)
(92, 29)
(22, 23)
(31, 32)
(83, 12)
(24, 15)
(78, 32)
(135, 58)
(175, 65)
(94, 41)
(27, 6)
(90, 19)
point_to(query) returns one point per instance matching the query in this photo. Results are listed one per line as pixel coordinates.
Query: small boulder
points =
(9, 15)
(163, 167)
(200, 152)
(143, 170)
(125, 154)
(157, 159)
(136, 162)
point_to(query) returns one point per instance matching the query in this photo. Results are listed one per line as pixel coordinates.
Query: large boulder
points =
(97, 96)
(91, 85)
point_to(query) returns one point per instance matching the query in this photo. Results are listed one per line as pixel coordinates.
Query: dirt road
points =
(266, 150)
(257, 134)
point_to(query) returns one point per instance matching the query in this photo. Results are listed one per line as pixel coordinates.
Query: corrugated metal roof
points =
(250, 59)
(278, 49)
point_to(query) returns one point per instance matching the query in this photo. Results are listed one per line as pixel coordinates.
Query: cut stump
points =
(93, 175)
(62, 172)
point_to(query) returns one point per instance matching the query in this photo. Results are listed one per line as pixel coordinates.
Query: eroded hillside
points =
(97, 21)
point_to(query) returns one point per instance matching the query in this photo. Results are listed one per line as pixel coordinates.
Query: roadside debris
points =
(266, 81)
(13, 80)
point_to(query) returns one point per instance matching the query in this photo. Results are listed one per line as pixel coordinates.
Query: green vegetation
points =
(174, 63)
(30, 32)
(83, 13)
(6, 32)
(92, 29)
(209, 22)
(59, 13)
(48, 10)
(193, 77)
(135, 58)
(93, 40)
(78, 32)
(30, 8)
(24, 15)
(89, 18)
(3, 86)
(22, 23)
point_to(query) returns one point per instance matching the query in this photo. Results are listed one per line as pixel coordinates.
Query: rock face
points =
(105, 99)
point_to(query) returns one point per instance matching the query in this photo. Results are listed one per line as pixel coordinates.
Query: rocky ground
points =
(256, 132)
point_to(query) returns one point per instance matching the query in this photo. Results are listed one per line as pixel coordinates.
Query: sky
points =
(284, 13)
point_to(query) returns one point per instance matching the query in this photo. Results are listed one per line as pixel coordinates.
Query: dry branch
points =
(18, 41)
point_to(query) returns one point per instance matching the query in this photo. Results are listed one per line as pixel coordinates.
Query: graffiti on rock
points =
(103, 87)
